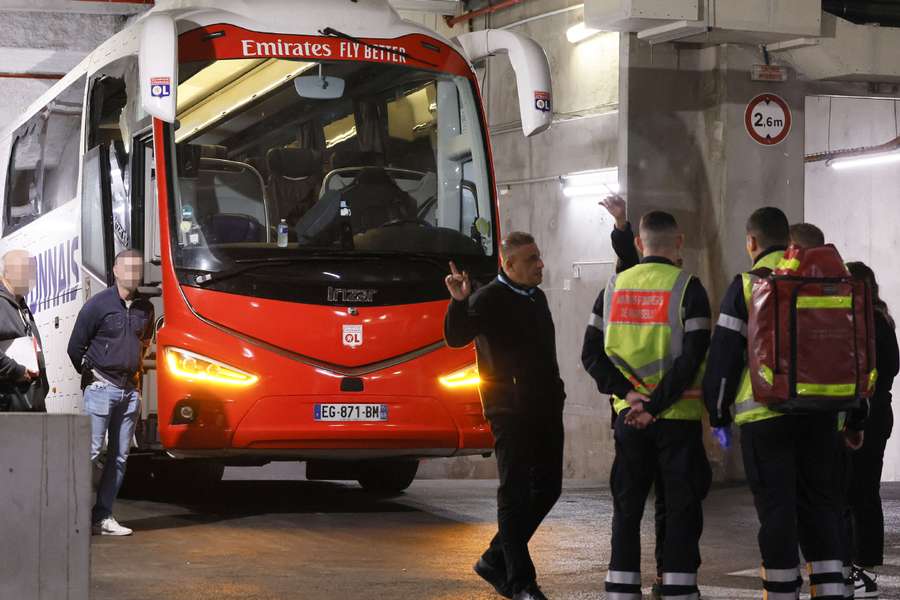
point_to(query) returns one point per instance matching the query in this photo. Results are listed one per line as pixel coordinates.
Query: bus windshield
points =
(282, 159)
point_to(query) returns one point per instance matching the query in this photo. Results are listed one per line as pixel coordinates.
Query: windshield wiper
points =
(332, 32)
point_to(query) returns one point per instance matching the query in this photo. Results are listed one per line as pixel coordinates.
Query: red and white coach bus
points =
(297, 175)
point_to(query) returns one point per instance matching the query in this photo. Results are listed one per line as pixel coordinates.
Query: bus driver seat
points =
(374, 200)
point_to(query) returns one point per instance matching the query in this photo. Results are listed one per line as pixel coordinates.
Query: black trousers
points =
(530, 464)
(791, 463)
(864, 496)
(670, 452)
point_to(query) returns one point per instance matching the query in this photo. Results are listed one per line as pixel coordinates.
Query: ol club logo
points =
(542, 101)
(352, 335)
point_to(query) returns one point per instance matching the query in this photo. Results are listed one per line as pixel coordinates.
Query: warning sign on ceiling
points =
(768, 119)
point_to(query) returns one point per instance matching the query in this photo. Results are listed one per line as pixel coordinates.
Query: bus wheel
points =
(387, 477)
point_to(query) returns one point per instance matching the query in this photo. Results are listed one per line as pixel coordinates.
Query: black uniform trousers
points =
(670, 452)
(529, 453)
(865, 488)
(790, 462)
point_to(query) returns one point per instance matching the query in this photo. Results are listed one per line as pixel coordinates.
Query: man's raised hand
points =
(615, 205)
(458, 283)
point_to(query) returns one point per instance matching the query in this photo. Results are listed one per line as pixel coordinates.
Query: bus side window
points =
(43, 166)
(96, 215)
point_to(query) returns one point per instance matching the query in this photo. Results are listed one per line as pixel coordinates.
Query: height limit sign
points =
(768, 119)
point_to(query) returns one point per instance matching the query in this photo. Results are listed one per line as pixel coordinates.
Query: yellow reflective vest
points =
(643, 332)
(746, 409)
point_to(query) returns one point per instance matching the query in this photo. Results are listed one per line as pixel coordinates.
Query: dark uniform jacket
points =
(515, 343)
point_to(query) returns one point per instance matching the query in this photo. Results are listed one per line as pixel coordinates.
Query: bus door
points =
(117, 184)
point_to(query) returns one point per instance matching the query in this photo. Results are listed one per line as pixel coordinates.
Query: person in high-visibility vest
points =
(789, 459)
(622, 238)
(654, 332)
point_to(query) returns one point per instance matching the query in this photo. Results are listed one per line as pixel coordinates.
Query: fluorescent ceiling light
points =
(596, 184)
(864, 160)
(580, 32)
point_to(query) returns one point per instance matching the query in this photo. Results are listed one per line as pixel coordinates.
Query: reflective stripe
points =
(732, 323)
(824, 566)
(596, 321)
(781, 575)
(679, 579)
(676, 342)
(624, 596)
(746, 406)
(873, 378)
(767, 374)
(826, 389)
(788, 264)
(697, 324)
(767, 595)
(623, 577)
(608, 297)
(845, 302)
(826, 589)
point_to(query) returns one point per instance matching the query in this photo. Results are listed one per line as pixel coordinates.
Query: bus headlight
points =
(185, 364)
(467, 377)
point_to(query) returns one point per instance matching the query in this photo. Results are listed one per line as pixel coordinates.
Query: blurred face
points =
(20, 272)
(129, 271)
(524, 266)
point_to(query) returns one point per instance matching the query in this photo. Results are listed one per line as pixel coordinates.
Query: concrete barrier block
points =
(45, 504)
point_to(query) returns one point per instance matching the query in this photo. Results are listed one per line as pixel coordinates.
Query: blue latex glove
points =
(723, 436)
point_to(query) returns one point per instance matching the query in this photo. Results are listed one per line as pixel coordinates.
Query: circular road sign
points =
(768, 119)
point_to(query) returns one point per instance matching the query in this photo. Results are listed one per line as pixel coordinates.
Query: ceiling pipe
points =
(474, 14)
(880, 12)
(889, 146)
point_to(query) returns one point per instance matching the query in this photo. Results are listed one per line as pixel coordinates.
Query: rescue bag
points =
(810, 334)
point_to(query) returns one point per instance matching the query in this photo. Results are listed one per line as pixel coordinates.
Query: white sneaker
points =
(109, 526)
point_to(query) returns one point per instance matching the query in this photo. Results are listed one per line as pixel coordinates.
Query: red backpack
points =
(810, 335)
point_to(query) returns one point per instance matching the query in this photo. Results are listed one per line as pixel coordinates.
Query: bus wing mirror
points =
(158, 66)
(532, 70)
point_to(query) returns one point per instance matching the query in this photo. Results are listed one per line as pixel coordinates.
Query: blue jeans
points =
(114, 410)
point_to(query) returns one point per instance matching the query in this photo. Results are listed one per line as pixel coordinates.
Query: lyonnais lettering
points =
(340, 49)
(58, 277)
(640, 307)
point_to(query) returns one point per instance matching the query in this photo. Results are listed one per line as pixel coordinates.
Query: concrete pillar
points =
(45, 503)
(684, 148)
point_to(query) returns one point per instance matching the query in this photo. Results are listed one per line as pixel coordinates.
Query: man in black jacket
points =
(523, 397)
(22, 388)
(108, 344)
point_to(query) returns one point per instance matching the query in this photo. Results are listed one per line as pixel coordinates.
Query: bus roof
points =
(364, 18)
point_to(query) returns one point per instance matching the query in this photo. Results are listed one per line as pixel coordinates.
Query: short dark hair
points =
(515, 240)
(770, 227)
(807, 235)
(128, 253)
(658, 229)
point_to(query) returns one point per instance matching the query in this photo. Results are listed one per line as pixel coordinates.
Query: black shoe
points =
(494, 576)
(532, 592)
(864, 583)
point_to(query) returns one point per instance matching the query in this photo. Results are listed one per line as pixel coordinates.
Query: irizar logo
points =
(347, 295)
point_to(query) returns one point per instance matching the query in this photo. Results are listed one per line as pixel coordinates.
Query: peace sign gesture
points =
(458, 283)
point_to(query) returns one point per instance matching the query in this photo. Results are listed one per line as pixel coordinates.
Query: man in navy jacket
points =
(111, 337)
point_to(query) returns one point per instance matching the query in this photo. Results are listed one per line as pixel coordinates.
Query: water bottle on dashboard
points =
(283, 234)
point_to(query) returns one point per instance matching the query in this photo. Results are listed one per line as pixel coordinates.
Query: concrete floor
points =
(268, 540)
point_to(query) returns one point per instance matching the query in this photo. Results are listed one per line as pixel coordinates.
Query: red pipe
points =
(487, 10)
(31, 76)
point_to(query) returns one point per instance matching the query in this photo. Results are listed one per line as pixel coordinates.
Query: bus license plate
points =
(351, 412)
